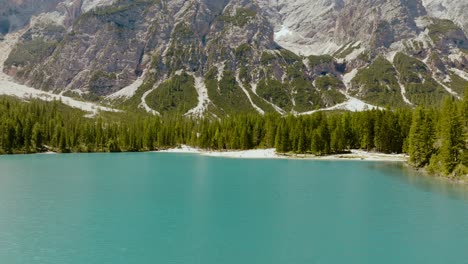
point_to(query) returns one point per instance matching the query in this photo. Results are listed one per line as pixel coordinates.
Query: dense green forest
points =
(435, 138)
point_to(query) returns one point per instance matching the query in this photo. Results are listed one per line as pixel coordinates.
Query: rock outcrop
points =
(272, 55)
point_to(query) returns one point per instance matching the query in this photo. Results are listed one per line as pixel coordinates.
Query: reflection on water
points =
(423, 181)
(149, 208)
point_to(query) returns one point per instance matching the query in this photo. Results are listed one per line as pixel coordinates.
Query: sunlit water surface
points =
(183, 208)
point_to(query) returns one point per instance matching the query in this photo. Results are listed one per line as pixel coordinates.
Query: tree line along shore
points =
(435, 138)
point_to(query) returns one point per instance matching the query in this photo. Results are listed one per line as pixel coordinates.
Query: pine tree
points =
(337, 139)
(464, 109)
(63, 141)
(451, 136)
(282, 138)
(366, 126)
(27, 133)
(302, 140)
(244, 139)
(347, 131)
(421, 138)
(9, 137)
(36, 137)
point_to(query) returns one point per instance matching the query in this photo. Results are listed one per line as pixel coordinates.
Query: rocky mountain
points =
(454, 10)
(326, 25)
(217, 57)
(17, 14)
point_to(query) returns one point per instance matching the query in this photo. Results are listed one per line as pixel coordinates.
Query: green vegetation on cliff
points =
(441, 28)
(274, 92)
(316, 60)
(29, 52)
(378, 84)
(226, 94)
(241, 18)
(421, 88)
(457, 83)
(177, 95)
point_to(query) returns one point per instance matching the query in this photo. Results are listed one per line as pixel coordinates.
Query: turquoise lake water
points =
(183, 208)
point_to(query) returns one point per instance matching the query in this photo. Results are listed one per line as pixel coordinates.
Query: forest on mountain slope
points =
(435, 138)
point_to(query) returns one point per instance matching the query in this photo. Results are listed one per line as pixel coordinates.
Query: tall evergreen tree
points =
(421, 138)
(36, 138)
(451, 135)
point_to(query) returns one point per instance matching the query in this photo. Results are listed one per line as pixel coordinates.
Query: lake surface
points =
(183, 208)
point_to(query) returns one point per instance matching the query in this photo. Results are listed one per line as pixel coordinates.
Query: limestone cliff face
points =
(454, 10)
(109, 47)
(15, 14)
(323, 26)
(103, 51)
(285, 55)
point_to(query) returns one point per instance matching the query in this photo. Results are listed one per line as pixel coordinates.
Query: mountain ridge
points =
(220, 57)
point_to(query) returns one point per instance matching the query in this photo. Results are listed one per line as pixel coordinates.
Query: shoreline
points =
(425, 173)
(356, 155)
(353, 155)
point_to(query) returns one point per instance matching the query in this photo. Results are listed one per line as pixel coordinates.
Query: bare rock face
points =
(323, 26)
(15, 14)
(87, 5)
(103, 49)
(101, 46)
(215, 6)
(306, 27)
(108, 47)
(455, 10)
